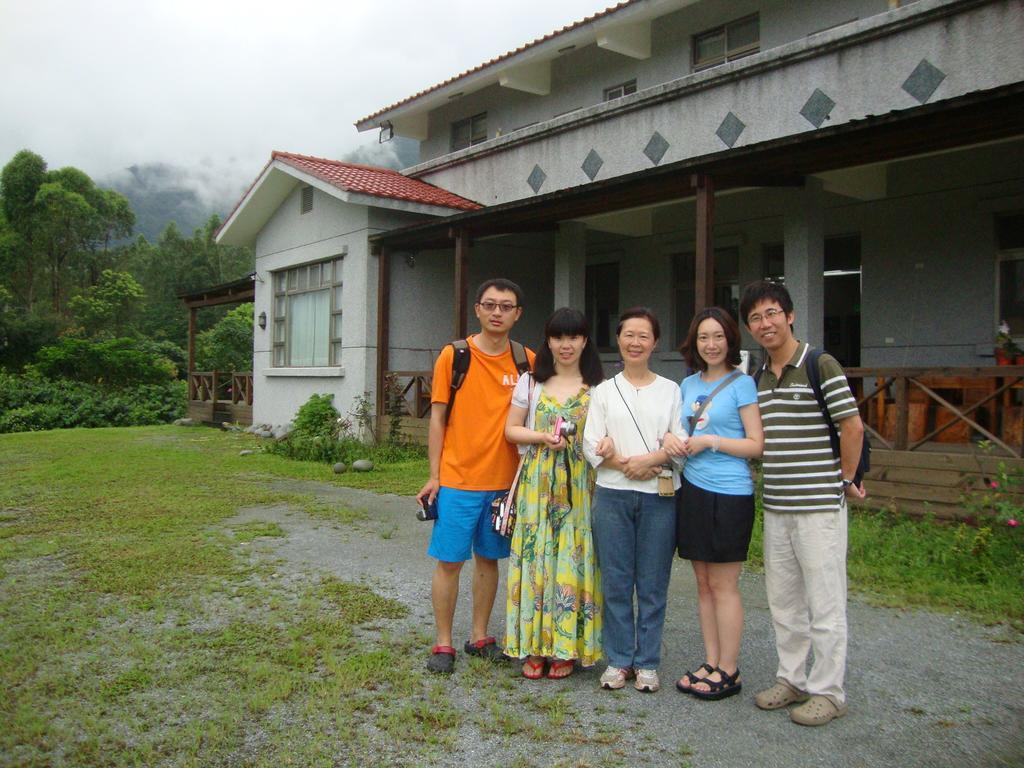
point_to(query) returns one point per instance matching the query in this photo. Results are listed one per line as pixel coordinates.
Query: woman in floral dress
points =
(553, 617)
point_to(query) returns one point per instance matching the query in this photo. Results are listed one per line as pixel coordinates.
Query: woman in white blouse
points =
(633, 510)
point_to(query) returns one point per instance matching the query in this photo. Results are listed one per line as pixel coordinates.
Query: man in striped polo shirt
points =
(805, 492)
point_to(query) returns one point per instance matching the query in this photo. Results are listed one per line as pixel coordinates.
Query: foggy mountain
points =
(160, 193)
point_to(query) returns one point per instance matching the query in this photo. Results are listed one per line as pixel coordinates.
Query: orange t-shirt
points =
(476, 456)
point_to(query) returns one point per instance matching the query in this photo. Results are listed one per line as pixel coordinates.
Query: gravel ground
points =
(925, 689)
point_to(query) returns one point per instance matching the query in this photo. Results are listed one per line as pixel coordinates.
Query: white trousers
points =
(805, 576)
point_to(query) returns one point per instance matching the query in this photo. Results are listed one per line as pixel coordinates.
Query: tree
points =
(20, 181)
(109, 307)
(227, 346)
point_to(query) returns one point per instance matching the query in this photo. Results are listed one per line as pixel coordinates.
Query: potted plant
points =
(1007, 350)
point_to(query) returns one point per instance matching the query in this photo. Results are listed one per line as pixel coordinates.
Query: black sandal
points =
(693, 677)
(719, 689)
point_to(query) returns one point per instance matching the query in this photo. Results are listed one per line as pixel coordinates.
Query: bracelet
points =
(716, 442)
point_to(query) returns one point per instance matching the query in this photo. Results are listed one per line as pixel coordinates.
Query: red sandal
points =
(558, 667)
(533, 670)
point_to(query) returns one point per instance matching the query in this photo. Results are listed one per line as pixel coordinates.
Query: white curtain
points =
(309, 319)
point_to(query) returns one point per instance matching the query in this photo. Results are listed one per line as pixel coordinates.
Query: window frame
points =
(477, 125)
(285, 283)
(1005, 254)
(610, 270)
(687, 284)
(624, 89)
(730, 54)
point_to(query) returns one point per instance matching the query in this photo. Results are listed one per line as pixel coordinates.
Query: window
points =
(730, 41)
(1010, 240)
(773, 262)
(472, 130)
(602, 300)
(618, 91)
(727, 286)
(307, 200)
(307, 315)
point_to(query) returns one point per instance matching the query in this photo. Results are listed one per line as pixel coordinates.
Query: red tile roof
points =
(379, 182)
(568, 28)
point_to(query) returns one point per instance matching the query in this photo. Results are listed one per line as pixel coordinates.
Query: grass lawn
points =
(137, 628)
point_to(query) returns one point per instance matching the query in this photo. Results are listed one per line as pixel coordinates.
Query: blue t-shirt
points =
(718, 472)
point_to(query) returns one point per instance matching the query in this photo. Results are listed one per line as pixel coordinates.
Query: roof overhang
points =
(273, 186)
(976, 118)
(623, 29)
(235, 292)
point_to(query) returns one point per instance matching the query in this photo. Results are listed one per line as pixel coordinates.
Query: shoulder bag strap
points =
(630, 412)
(707, 400)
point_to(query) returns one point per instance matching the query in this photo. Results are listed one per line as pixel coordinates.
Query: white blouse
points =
(656, 409)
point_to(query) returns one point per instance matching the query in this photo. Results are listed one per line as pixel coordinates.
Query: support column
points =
(383, 327)
(461, 238)
(804, 243)
(704, 265)
(571, 265)
(192, 312)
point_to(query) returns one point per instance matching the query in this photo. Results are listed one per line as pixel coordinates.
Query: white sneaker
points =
(614, 678)
(647, 680)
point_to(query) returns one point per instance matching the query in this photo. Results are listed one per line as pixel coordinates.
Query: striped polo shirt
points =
(801, 474)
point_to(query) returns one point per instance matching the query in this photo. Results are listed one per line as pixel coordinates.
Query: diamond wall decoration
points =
(536, 179)
(923, 81)
(656, 148)
(592, 164)
(730, 129)
(817, 108)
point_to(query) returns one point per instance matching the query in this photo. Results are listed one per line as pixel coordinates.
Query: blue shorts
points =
(463, 526)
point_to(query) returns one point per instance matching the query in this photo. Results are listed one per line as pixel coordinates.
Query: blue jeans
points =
(634, 535)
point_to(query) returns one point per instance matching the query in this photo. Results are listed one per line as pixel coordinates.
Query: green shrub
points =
(321, 434)
(113, 362)
(30, 403)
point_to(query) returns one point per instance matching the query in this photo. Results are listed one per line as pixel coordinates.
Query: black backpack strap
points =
(461, 358)
(814, 379)
(519, 356)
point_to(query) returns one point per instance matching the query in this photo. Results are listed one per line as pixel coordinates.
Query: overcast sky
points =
(103, 85)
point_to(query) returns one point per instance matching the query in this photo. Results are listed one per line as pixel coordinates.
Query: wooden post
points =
(192, 312)
(461, 268)
(383, 328)
(902, 413)
(704, 268)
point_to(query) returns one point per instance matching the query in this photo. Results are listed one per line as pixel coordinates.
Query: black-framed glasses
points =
(504, 306)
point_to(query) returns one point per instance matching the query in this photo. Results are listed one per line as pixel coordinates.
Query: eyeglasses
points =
(769, 314)
(490, 306)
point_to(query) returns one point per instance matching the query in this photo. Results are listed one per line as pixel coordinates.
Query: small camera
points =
(564, 428)
(426, 511)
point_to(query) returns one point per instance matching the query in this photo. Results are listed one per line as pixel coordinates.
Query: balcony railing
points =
(215, 396)
(907, 408)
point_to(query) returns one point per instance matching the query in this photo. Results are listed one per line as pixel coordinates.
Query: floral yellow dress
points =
(554, 586)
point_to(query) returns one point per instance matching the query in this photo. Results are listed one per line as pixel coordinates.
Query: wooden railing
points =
(905, 408)
(409, 390)
(220, 387)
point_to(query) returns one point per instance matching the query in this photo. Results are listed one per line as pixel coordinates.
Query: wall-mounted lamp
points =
(387, 132)
(410, 260)
(262, 321)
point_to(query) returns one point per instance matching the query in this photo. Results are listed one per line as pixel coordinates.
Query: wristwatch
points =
(847, 483)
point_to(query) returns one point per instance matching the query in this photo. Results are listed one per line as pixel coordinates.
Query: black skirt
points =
(713, 527)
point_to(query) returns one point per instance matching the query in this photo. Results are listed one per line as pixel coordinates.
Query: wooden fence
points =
(219, 396)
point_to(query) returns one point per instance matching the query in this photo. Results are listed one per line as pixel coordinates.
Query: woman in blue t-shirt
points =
(715, 505)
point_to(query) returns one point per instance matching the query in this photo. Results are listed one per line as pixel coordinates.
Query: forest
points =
(92, 329)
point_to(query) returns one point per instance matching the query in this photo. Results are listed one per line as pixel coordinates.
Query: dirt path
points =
(925, 689)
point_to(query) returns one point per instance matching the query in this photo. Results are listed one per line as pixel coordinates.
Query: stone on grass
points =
(339, 468)
(362, 465)
(246, 453)
(282, 431)
(184, 422)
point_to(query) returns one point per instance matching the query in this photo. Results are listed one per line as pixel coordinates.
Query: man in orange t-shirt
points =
(471, 464)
